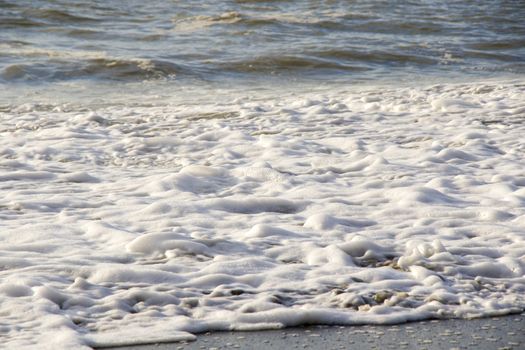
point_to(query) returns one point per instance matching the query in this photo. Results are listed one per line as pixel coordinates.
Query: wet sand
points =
(507, 332)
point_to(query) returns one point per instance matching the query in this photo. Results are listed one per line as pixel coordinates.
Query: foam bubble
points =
(131, 224)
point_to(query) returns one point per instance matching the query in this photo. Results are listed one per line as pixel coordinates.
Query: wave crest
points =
(105, 68)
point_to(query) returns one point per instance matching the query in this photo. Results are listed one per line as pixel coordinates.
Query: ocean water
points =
(70, 44)
(174, 167)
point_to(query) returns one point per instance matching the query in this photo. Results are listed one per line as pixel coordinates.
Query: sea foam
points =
(130, 224)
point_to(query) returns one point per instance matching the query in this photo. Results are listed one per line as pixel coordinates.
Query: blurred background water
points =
(63, 45)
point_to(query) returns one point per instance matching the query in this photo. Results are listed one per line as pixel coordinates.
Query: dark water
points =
(250, 40)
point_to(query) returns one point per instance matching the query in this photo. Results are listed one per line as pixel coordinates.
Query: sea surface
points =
(106, 45)
(174, 167)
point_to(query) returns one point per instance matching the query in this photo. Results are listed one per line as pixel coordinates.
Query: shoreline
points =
(501, 332)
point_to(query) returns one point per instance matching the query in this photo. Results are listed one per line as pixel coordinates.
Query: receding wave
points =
(57, 16)
(269, 64)
(15, 72)
(376, 56)
(399, 27)
(86, 33)
(18, 22)
(499, 45)
(100, 68)
(330, 59)
(131, 69)
(498, 56)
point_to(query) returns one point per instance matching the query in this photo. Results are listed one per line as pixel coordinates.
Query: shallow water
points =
(175, 167)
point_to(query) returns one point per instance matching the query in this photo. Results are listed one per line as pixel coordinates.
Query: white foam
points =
(126, 225)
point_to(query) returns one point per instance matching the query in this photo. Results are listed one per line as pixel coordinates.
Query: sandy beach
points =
(500, 333)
